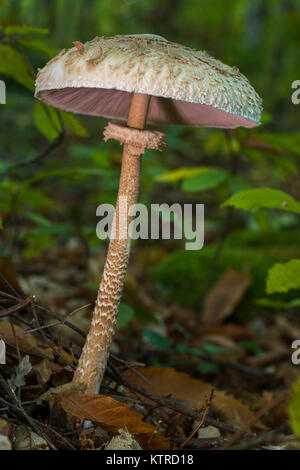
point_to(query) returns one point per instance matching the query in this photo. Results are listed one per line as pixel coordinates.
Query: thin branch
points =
(169, 403)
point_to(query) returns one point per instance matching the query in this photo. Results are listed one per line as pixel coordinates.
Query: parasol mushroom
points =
(139, 79)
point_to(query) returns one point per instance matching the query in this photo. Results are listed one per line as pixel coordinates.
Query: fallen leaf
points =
(208, 432)
(25, 439)
(65, 390)
(178, 385)
(112, 415)
(44, 370)
(22, 369)
(224, 296)
(6, 435)
(124, 441)
(26, 342)
(229, 330)
(5, 443)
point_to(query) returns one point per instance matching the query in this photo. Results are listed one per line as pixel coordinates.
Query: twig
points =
(206, 408)
(59, 322)
(44, 311)
(17, 307)
(131, 367)
(155, 431)
(18, 406)
(206, 443)
(9, 287)
(169, 403)
(252, 421)
(270, 437)
(38, 159)
(30, 353)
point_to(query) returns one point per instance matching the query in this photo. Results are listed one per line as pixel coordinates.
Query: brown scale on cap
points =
(79, 46)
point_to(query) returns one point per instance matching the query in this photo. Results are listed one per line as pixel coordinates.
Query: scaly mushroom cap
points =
(188, 87)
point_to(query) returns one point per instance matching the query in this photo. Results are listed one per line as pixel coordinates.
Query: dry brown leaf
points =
(224, 296)
(26, 439)
(26, 342)
(112, 415)
(70, 388)
(44, 370)
(181, 386)
(228, 330)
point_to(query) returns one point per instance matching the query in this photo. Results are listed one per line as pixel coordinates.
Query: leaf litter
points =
(224, 387)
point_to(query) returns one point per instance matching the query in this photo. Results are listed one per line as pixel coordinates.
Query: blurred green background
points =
(55, 168)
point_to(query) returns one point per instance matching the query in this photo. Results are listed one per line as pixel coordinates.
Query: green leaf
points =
(178, 174)
(24, 29)
(288, 142)
(213, 349)
(294, 408)
(181, 348)
(1, 223)
(39, 45)
(263, 197)
(62, 172)
(275, 304)
(72, 123)
(125, 314)
(47, 121)
(283, 277)
(38, 219)
(161, 342)
(37, 244)
(14, 65)
(207, 179)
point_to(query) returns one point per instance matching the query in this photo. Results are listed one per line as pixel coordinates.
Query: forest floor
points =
(172, 381)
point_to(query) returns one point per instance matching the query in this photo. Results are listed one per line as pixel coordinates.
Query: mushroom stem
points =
(92, 363)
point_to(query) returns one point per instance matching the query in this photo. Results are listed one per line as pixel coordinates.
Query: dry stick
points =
(47, 341)
(206, 408)
(16, 341)
(95, 353)
(20, 409)
(51, 429)
(59, 322)
(62, 319)
(43, 335)
(16, 308)
(155, 431)
(30, 353)
(9, 286)
(18, 353)
(131, 367)
(207, 443)
(270, 437)
(26, 302)
(169, 403)
(48, 312)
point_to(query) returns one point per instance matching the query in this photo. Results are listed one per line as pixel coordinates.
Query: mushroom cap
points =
(188, 87)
